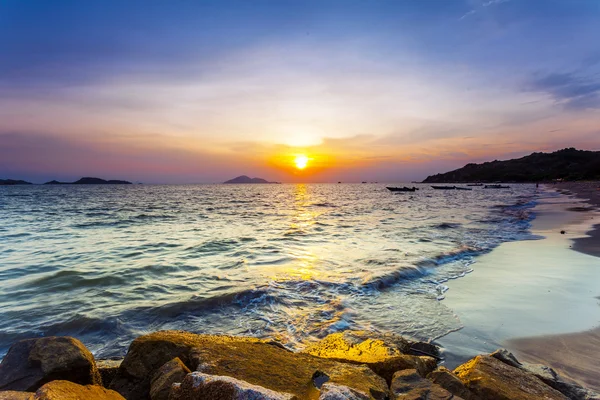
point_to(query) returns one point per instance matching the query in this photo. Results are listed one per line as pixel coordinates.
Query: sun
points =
(301, 161)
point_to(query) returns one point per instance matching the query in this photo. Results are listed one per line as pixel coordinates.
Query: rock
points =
(447, 380)
(490, 378)
(65, 390)
(548, 376)
(551, 378)
(331, 391)
(171, 372)
(384, 354)
(409, 385)
(252, 360)
(200, 386)
(13, 395)
(507, 358)
(108, 370)
(31, 363)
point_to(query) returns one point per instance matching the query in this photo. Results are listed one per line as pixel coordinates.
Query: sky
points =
(202, 91)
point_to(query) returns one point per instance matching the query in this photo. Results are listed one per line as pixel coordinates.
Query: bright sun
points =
(301, 161)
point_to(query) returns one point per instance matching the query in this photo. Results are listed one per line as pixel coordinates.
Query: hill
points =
(567, 164)
(247, 179)
(90, 181)
(10, 182)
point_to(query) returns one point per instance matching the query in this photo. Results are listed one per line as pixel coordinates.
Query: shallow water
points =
(293, 262)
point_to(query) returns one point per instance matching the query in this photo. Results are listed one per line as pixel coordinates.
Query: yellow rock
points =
(492, 379)
(255, 361)
(65, 390)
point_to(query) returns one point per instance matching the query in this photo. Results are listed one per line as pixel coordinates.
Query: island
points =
(566, 165)
(11, 182)
(247, 179)
(90, 181)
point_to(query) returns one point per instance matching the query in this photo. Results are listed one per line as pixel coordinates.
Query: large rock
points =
(200, 386)
(384, 354)
(171, 372)
(492, 379)
(409, 385)
(331, 391)
(252, 360)
(31, 363)
(108, 370)
(548, 376)
(449, 381)
(65, 390)
(14, 395)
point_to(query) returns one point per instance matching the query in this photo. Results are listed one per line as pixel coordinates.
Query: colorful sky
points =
(202, 91)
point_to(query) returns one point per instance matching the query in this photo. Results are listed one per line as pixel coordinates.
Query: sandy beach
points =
(538, 298)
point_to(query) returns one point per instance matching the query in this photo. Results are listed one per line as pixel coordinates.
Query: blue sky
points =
(198, 91)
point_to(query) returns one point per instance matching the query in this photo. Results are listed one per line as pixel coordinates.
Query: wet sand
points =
(574, 355)
(529, 290)
(590, 192)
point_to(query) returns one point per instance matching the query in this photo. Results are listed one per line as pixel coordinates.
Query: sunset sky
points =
(201, 91)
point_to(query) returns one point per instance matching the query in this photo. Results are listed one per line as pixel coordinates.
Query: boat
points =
(444, 187)
(450, 188)
(496, 187)
(401, 189)
(474, 184)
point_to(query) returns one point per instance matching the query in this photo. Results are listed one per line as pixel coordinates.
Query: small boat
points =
(444, 187)
(496, 187)
(401, 189)
(474, 184)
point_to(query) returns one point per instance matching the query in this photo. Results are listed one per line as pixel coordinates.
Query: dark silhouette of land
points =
(567, 164)
(10, 182)
(82, 181)
(247, 179)
(90, 181)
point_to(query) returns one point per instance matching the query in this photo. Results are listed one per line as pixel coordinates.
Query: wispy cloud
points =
(485, 4)
(568, 89)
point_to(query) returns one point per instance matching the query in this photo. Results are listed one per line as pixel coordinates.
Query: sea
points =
(292, 262)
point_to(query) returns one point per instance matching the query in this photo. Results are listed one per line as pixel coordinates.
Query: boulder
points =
(171, 372)
(199, 386)
(384, 354)
(548, 376)
(31, 363)
(331, 391)
(255, 361)
(492, 379)
(65, 390)
(443, 377)
(108, 370)
(409, 385)
(13, 395)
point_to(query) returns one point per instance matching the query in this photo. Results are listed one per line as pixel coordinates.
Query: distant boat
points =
(450, 188)
(401, 189)
(496, 187)
(475, 184)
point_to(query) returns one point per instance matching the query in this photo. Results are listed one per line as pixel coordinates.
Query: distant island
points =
(82, 181)
(247, 179)
(90, 181)
(567, 164)
(10, 182)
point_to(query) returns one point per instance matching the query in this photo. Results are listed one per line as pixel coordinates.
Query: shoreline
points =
(524, 290)
(574, 355)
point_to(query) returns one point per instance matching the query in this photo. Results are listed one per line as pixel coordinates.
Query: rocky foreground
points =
(176, 365)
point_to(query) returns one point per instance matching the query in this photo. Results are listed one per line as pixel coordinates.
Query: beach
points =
(540, 297)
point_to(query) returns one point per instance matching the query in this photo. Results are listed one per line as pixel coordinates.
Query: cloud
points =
(568, 89)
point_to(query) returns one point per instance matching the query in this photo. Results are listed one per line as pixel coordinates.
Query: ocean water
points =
(294, 262)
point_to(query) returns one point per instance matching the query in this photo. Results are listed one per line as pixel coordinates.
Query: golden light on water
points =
(301, 161)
